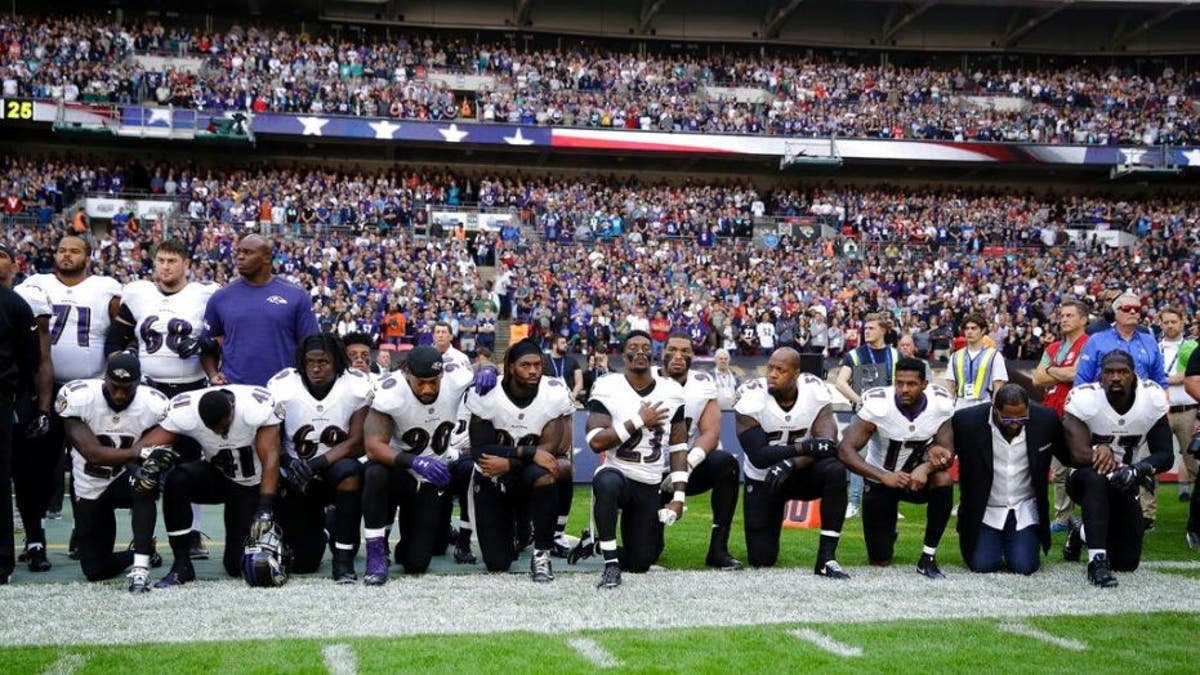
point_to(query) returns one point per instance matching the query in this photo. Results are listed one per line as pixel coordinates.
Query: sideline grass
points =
(1143, 643)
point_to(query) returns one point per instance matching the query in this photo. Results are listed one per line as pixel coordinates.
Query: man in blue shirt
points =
(257, 320)
(1123, 335)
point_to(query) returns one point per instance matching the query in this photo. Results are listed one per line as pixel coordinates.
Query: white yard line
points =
(80, 613)
(595, 654)
(1171, 565)
(823, 641)
(66, 664)
(1030, 632)
(340, 660)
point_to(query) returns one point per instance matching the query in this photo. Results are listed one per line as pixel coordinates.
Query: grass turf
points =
(1110, 645)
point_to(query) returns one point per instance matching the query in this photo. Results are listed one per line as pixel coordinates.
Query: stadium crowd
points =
(670, 258)
(589, 85)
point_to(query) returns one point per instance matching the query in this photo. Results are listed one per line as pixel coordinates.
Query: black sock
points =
(941, 503)
(720, 538)
(541, 506)
(827, 549)
(566, 494)
(347, 515)
(181, 546)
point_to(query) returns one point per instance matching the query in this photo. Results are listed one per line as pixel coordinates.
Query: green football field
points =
(679, 618)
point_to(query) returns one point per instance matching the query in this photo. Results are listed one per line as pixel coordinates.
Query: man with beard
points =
(907, 463)
(324, 406)
(1108, 421)
(83, 307)
(786, 427)
(630, 415)
(709, 469)
(518, 432)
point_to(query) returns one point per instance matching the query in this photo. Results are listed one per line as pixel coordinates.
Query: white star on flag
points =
(159, 115)
(312, 125)
(1132, 155)
(518, 139)
(1192, 156)
(384, 129)
(453, 135)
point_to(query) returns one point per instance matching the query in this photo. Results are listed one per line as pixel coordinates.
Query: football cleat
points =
(343, 567)
(1100, 572)
(586, 548)
(1193, 540)
(180, 574)
(139, 580)
(376, 573)
(35, 558)
(540, 569)
(830, 569)
(723, 561)
(196, 548)
(927, 567)
(463, 555)
(611, 577)
(562, 546)
(1073, 547)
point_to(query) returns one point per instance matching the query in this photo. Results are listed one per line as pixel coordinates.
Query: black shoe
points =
(463, 555)
(72, 547)
(927, 567)
(562, 547)
(180, 574)
(35, 558)
(586, 548)
(343, 569)
(1100, 572)
(1147, 524)
(540, 569)
(196, 548)
(723, 561)
(830, 569)
(1073, 547)
(611, 578)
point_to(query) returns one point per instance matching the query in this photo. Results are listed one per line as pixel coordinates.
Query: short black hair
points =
(87, 245)
(679, 335)
(911, 365)
(635, 334)
(215, 405)
(358, 338)
(1011, 394)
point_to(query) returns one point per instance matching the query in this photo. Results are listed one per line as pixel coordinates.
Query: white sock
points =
(374, 532)
(928, 550)
(197, 512)
(140, 560)
(1093, 553)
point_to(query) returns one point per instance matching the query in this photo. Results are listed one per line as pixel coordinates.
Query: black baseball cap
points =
(124, 368)
(425, 362)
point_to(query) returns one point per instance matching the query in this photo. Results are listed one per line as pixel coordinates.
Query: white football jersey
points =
(698, 390)
(233, 453)
(901, 442)
(79, 321)
(161, 321)
(84, 400)
(522, 426)
(452, 355)
(312, 427)
(783, 427)
(417, 428)
(642, 457)
(36, 298)
(1127, 432)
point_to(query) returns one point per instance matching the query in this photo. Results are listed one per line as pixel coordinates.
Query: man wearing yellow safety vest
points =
(977, 370)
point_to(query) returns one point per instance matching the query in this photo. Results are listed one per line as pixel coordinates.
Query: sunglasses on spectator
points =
(1131, 309)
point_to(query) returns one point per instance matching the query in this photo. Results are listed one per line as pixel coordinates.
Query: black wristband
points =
(266, 503)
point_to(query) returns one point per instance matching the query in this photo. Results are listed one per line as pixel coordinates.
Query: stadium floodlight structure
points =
(813, 153)
(1152, 162)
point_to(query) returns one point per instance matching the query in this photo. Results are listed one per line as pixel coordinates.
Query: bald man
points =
(256, 320)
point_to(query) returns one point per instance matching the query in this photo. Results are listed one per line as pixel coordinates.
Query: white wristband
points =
(695, 456)
(678, 477)
(621, 431)
(680, 496)
(677, 447)
(638, 422)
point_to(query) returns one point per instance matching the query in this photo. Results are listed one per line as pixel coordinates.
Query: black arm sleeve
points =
(483, 440)
(1160, 441)
(763, 456)
(120, 335)
(598, 407)
(1193, 365)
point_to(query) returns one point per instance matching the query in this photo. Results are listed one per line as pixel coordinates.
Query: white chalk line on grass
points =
(340, 659)
(1171, 565)
(103, 613)
(65, 665)
(1030, 632)
(823, 641)
(598, 656)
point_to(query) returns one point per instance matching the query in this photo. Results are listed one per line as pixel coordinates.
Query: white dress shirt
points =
(1012, 485)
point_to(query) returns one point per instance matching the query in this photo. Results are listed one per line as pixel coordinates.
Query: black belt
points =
(1183, 408)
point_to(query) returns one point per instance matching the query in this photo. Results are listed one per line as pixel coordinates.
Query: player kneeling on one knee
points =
(324, 404)
(786, 427)
(908, 463)
(518, 432)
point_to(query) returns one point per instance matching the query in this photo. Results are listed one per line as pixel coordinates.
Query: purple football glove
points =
(485, 380)
(431, 470)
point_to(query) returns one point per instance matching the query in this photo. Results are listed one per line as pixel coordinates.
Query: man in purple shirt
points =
(257, 320)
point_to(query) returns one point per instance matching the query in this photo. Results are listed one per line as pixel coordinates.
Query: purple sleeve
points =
(212, 318)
